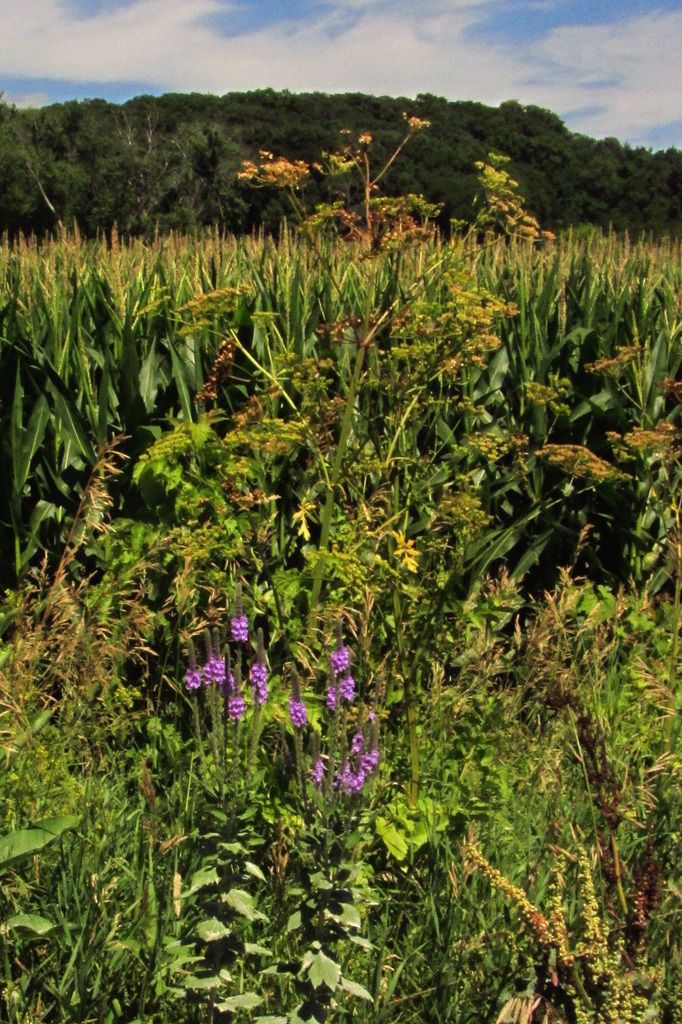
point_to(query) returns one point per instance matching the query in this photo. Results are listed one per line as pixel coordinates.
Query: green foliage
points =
(169, 162)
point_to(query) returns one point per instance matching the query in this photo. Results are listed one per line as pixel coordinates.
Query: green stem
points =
(618, 876)
(411, 718)
(672, 728)
(580, 987)
(328, 510)
(408, 672)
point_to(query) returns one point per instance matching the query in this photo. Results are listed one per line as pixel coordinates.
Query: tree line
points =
(171, 162)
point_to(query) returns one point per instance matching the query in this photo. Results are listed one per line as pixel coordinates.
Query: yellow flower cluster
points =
(579, 461)
(274, 172)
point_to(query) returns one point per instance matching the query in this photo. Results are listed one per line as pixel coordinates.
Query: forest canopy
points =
(171, 162)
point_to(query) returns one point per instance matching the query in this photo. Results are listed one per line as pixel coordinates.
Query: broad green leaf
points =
(353, 989)
(254, 870)
(32, 922)
(30, 840)
(269, 1019)
(242, 902)
(203, 984)
(393, 839)
(16, 433)
(72, 433)
(254, 949)
(324, 971)
(179, 378)
(350, 916)
(245, 1001)
(149, 378)
(24, 450)
(212, 930)
(201, 880)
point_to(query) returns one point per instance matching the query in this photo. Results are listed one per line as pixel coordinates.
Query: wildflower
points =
(298, 713)
(193, 678)
(332, 693)
(370, 761)
(214, 671)
(350, 779)
(340, 658)
(259, 682)
(235, 702)
(259, 673)
(239, 629)
(239, 624)
(416, 124)
(347, 688)
(317, 773)
(340, 691)
(236, 705)
(357, 743)
(405, 551)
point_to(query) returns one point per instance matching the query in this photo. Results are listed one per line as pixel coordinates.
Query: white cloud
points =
(639, 60)
(26, 99)
(396, 48)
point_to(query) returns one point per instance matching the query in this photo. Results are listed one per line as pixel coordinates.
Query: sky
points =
(607, 67)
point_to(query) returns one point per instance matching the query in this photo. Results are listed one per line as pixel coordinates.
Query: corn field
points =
(98, 340)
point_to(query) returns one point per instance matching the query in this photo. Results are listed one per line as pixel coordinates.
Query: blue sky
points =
(608, 67)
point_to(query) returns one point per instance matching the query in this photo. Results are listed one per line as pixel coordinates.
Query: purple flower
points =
(347, 688)
(239, 628)
(298, 713)
(370, 761)
(342, 689)
(259, 682)
(350, 779)
(340, 659)
(193, 678)
(236, 706)
(317, 773)
(214, 671)
(357, 743)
